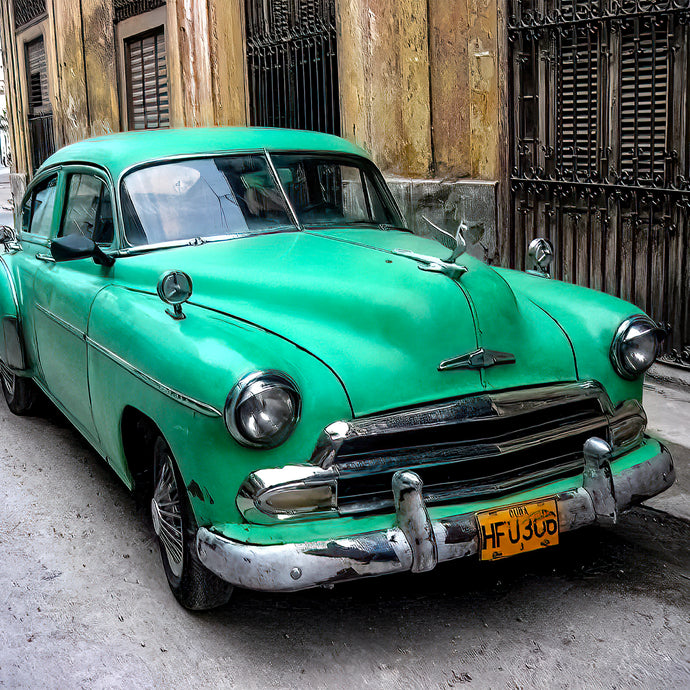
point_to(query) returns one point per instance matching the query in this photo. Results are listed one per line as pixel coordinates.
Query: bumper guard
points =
(418, 543)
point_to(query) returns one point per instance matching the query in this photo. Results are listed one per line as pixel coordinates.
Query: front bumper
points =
(417, 543)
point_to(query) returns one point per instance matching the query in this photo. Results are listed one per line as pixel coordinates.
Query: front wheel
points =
(21, 393)
(193, 585)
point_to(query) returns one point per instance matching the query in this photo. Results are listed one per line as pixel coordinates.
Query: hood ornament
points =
(479, 359)
(433, 264)
(456, 243)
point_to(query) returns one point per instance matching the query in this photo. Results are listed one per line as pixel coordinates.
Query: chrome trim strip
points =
(470, 408)
(185, 400)
(478, 359)
(296, 566)
(61, 322)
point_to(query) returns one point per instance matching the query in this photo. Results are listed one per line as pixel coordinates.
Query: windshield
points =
(335, 190)
(203, 197)
(237, 195)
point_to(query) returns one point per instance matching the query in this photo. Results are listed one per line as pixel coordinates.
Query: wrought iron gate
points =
(292, 64)
(600, 148)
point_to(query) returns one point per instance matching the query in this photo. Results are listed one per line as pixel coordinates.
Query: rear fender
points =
(12, 350)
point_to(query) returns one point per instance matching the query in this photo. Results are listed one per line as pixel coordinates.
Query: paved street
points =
(84, 602)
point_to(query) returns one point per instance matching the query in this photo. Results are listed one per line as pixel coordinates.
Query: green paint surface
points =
(360, 328)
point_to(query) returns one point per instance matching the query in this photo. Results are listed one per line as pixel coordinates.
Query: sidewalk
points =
(6, 208)
(668, 410)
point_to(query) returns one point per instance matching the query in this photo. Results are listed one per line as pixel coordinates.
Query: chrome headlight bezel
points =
(254, 384)
(619, 341)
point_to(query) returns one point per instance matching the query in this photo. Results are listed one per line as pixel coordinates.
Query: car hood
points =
(379, 322)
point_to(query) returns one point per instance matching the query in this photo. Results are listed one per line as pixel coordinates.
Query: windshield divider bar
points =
(279, 184)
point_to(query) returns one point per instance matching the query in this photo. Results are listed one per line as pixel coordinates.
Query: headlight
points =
(262, 409)
(635, 346)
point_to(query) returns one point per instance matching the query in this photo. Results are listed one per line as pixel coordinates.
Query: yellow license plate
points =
(517, 529)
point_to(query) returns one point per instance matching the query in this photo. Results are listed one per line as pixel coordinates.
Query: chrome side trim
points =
(296, 566)
(61, 322)
(154, 383)
(176, 395)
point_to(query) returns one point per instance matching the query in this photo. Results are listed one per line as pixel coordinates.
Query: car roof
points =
(117, 152)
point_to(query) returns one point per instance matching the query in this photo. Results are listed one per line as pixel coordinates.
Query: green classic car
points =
(302, 390)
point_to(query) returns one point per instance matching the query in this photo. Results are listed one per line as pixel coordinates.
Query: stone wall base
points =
(447, 204)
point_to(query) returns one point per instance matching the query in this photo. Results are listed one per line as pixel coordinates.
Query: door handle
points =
(45, 257)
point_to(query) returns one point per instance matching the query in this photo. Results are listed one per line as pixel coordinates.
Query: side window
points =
(88, 211)
(37, 213)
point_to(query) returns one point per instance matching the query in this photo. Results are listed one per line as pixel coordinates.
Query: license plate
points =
(517, 529)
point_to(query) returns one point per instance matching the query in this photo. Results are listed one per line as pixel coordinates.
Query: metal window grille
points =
(292, 64)
(600, 148)
(124, 9)
(26, 11)
(40, 115)
(147, 81)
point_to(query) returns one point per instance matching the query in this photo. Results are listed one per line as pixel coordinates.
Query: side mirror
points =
(540, 252)
(78, 247)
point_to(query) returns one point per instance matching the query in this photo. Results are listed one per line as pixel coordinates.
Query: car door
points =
(65, 291)
(39, 209)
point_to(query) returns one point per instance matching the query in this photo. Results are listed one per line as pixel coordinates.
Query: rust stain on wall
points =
(101, 70)
(72, 108)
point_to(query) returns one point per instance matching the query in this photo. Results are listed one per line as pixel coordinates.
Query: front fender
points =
(590, 319)
(179, 374)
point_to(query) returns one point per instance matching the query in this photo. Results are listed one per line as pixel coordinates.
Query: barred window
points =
(147, 81)
(26, 11)
(124, 9)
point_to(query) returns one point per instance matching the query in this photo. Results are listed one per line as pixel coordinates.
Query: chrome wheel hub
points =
(167, 516)
(8, 378)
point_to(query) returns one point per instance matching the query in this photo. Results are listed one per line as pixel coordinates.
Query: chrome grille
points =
(480, 446)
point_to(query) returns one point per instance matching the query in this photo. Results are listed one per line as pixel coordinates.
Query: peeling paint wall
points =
(420, 84)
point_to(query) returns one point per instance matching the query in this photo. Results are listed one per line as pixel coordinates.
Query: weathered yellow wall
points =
(450, 87)
(419, 79)
(384, 81)
(484, 114)
(419, 84)
(206, 62)
(227, 61)
(70, 107)
(16, 115)
(101, 66)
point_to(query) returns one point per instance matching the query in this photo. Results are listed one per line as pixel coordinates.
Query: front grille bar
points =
(358, 434)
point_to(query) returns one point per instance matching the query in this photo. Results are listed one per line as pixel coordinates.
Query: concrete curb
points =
(670, 376)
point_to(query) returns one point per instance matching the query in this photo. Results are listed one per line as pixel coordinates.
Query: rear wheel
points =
(21, 393)
(193, 585)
